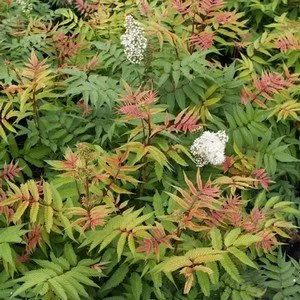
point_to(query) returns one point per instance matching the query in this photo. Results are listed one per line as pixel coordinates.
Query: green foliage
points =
(95, 151)
(59, 278)
(282, 278)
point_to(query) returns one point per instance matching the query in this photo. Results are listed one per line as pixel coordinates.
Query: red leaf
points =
(10, 172)
(262, 178)
(204, 40)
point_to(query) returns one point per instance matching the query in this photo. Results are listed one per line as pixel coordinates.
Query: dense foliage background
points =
(100, 194)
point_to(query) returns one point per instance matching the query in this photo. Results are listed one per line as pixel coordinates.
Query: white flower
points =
(133, 40)
(26, 6)
(210, 148)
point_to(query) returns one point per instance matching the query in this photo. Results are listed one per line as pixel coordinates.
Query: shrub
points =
(160, 160)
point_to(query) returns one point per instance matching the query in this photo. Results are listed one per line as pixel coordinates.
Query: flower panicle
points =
(134, 42)
(209, 148)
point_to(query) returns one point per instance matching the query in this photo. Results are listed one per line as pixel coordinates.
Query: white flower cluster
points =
(26, 6)
(133, 40)
(210, 148)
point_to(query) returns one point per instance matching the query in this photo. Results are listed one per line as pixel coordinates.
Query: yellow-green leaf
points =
(47, 193)
(48, 216)
(246, 240)
(230, 268)
(231, 236)
(242, 257)
(20, 211)
(34, 209)
(216, 238)
(121, 244)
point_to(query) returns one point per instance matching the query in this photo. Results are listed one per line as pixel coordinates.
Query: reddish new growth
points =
(263, 179)
(92, 64)
(201, 197)
(66, 46)
(11, 89)
(266, 86)
(32, 239)
(137, 104)
(203, 40)
(182, 8)
(99, 266)
(70, 159)
(85, 8)
(225, 17)
(206, 193)
(230, 212)
(253, 222)
(268, 240)
(240, 45)
(159, 237)
(144, 8)
(84, 107)
(228, 163)
(23, 258)
(208, 7)
(70, 164)
(6, 210)
(245, 38)
(185, 121)
(9, 172)
(90, 218)
(260, 175)
(246, 95)
(270, 83)
(286, 43)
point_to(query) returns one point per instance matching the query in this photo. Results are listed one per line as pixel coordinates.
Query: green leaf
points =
(70, 285)
(285, 157)
(203, 280)
(259, 60)
(242, 257)
(231, 236)
(226, 294)
(214, 277)
(216, 238)
(136, 285)
(116, 278)
(6, 253)
(20, 211)
(58, 289)
(210, 91)
(230, 268)
(158, 170)
(180, 98)
(131, 244)
(48, 216)
(47, 192)
(12, 234)
(246, 240)
(236, 295)
(176, 157)
(191, 94)
(176, 77)
(70, 255)
(158, 204)
(31, 279)
(108, 239)
(121, 244)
